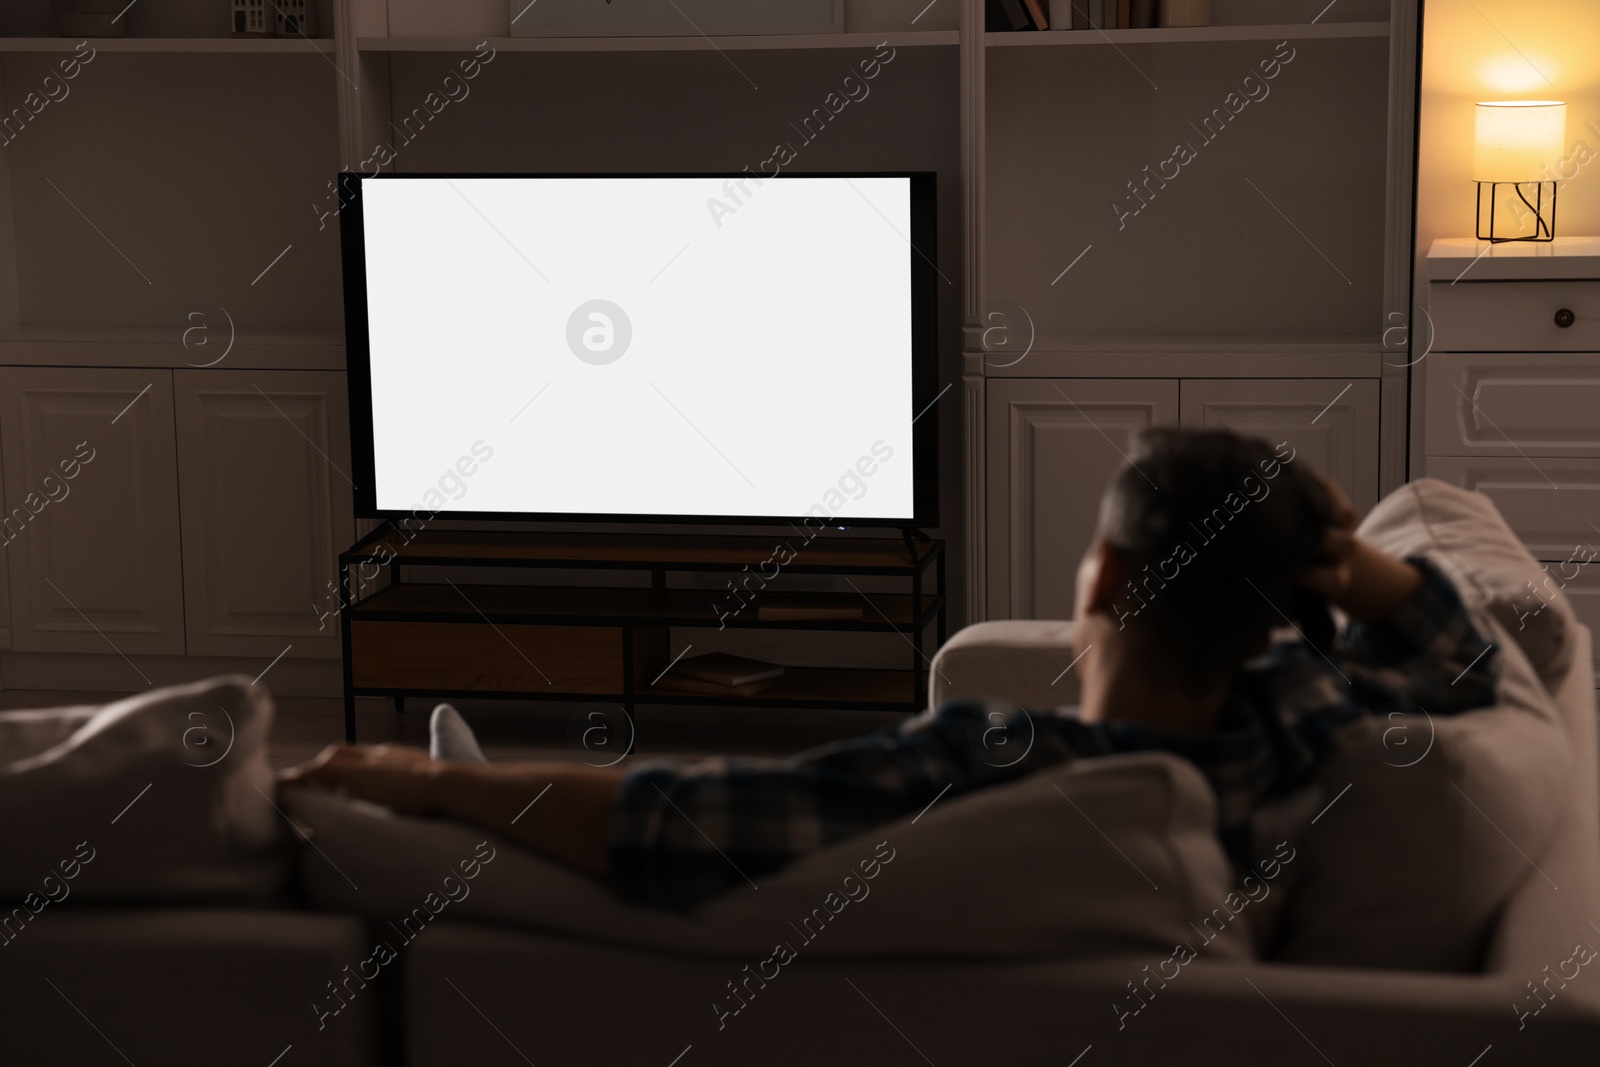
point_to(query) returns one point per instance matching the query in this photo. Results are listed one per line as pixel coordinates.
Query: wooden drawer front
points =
(476, 655)
(1497, 404)
(1550, 519)
(1514, 316)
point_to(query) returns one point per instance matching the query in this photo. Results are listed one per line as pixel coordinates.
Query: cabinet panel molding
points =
(1332, 424)
(1583, 591)
(1052, 446)
(266, 504)
(1507, 404)
(1551, 504)
(91, 500)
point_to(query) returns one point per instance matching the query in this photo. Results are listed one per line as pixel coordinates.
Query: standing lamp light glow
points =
(1514, 143)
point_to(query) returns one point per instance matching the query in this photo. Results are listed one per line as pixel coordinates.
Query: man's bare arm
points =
(1356, 576)
(570, 822)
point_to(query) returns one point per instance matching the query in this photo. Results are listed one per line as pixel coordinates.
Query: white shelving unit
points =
(1111, 283)
(167, 297)
(197, 184)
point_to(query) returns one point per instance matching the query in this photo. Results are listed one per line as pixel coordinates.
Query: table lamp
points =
(1514, 144)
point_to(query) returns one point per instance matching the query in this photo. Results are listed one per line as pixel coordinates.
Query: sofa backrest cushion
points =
(164, 795)
(1112, 855)
(1466, 535)
(1426, 825)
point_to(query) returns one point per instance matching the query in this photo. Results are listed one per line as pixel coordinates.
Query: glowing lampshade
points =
(1517, 139)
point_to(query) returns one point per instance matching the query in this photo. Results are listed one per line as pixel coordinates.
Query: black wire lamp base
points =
(1542, 207)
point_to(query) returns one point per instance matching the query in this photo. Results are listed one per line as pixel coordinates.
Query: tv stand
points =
(612, 643)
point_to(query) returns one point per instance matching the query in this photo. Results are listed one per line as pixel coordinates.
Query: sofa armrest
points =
(1020, 660)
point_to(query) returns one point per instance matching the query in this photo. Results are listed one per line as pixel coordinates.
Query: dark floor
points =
(593, 733)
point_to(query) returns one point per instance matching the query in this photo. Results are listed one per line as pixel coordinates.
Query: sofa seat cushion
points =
(164, 795)
(1110, 855)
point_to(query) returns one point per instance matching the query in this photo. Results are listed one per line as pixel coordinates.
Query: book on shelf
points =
(673, 682)
(1002, 16)
(1036, 14)
(723, 668)
(1124, 14)
(1142, 15)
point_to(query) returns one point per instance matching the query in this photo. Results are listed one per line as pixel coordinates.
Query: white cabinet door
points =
(264, 468)
(1052, 445)
(91, 496)
(1332, 423)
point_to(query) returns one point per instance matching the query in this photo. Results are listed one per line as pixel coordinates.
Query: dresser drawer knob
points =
(1565, 318)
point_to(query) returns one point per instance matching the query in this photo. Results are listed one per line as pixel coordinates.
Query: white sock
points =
(450, 738)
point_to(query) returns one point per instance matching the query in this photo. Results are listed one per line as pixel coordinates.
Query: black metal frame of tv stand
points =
(643, 632)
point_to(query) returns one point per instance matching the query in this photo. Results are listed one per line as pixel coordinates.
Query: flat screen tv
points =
(709, 348)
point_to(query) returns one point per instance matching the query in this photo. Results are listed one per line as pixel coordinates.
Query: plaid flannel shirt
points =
(684, 832)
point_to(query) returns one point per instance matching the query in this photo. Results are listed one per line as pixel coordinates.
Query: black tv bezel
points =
(924, 356)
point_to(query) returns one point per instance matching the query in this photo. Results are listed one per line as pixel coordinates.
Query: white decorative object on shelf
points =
(252, 18)
(673, 18)
(294, 18)
(1185, 12)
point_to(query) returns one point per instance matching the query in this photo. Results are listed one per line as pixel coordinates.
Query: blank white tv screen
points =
(639, 346)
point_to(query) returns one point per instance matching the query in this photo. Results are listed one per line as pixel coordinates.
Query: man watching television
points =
(1203, 627)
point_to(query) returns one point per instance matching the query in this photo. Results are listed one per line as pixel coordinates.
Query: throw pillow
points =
(164, 795)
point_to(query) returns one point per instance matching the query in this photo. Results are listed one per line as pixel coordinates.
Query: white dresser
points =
(1513, 394)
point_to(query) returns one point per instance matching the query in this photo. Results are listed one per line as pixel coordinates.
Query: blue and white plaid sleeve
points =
(1427, 657)
(1427, 654)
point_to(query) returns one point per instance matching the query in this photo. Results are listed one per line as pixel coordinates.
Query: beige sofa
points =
(560, 1000)
(236, 986)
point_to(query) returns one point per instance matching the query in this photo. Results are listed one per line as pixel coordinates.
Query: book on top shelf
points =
(1003, 16)
(677, 683)
(1036, 14)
